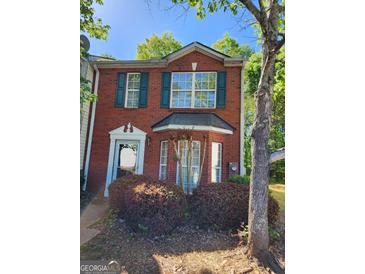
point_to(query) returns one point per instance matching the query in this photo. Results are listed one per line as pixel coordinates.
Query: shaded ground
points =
(278, 192)
(278, 247)
(187, 250)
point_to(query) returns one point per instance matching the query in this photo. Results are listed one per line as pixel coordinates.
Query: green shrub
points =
(237, 179)
(150, 207)
(224, 206)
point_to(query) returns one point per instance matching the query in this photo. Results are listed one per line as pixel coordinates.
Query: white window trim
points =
(127, 87)
(167, 153)
(193, 89)
(177, 166)
(220, 167)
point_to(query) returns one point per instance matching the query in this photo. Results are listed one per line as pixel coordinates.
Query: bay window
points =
(193, 89)
(216, 162)
(195, 165)
(163, 161)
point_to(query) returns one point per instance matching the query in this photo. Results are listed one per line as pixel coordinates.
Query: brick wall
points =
(108, 117)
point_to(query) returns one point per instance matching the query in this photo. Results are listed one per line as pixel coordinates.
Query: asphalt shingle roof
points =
(194, 119)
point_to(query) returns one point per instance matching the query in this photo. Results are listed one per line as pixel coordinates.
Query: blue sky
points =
(132, 21)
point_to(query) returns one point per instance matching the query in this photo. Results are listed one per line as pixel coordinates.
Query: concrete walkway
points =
(90, 215)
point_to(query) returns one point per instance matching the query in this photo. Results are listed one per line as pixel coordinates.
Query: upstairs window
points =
(193, 89)
(132, 94)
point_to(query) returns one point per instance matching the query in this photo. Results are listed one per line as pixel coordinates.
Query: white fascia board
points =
(195, 47)
(194, 128)
(132, 64)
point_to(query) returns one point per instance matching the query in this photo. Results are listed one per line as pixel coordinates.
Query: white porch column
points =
(109, 172)
(142, 142)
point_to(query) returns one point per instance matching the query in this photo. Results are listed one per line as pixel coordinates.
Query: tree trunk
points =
(181, 155)
(188, 163)
(178, 161)
(202, 162)
(258, 241)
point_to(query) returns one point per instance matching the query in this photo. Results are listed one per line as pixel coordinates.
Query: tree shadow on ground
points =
(185, 246)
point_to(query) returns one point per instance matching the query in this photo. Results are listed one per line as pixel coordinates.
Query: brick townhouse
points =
(142, 103)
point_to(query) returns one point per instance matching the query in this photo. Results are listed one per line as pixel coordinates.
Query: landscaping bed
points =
(140, 245)
(186, 250)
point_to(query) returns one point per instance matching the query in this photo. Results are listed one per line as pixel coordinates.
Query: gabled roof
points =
(194, 121)
(164, 61)
(195, 46)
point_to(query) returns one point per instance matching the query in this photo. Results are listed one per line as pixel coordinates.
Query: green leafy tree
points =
(107, 55)
(231, 47)
(94, 27)
(277, 131)
(155, 46)
(89, 23)
(85, 91)
(269, 18)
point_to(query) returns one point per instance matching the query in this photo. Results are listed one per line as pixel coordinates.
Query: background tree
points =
(91, 24)
(107, 55)
(231, 47)
(277, 131)
(157, 47)
(269, 17)
(94, 27)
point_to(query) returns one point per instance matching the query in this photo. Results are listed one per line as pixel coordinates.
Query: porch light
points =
(149, 139)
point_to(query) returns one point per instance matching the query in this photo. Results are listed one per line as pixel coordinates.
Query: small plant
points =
(242, 233)
(143, 228)
(237, 179)
(111, 219)
(273, 234)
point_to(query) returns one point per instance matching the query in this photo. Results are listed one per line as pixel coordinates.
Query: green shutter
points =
(143, 90)
(119, 95)
(221, 89)
(165, 89)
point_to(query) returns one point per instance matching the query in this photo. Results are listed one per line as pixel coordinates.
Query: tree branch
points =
(277, 155)
(280, 43)
(281, 9)
(253, 9)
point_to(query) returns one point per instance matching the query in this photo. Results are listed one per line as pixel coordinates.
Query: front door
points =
(125, 158)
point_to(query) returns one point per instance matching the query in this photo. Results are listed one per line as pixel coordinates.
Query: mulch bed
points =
(187, 250)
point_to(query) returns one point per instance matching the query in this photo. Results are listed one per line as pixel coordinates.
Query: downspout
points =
(91, 129)
(242, 124)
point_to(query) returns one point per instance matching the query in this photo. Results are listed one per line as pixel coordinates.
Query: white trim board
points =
(192, 127)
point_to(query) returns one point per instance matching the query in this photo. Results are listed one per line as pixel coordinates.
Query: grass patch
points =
(278, 192)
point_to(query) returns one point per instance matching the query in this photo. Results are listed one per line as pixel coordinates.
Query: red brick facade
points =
(107, 118)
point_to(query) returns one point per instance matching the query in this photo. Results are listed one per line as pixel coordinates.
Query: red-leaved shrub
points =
(224, 206)
(117, 190)
(152, 207)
